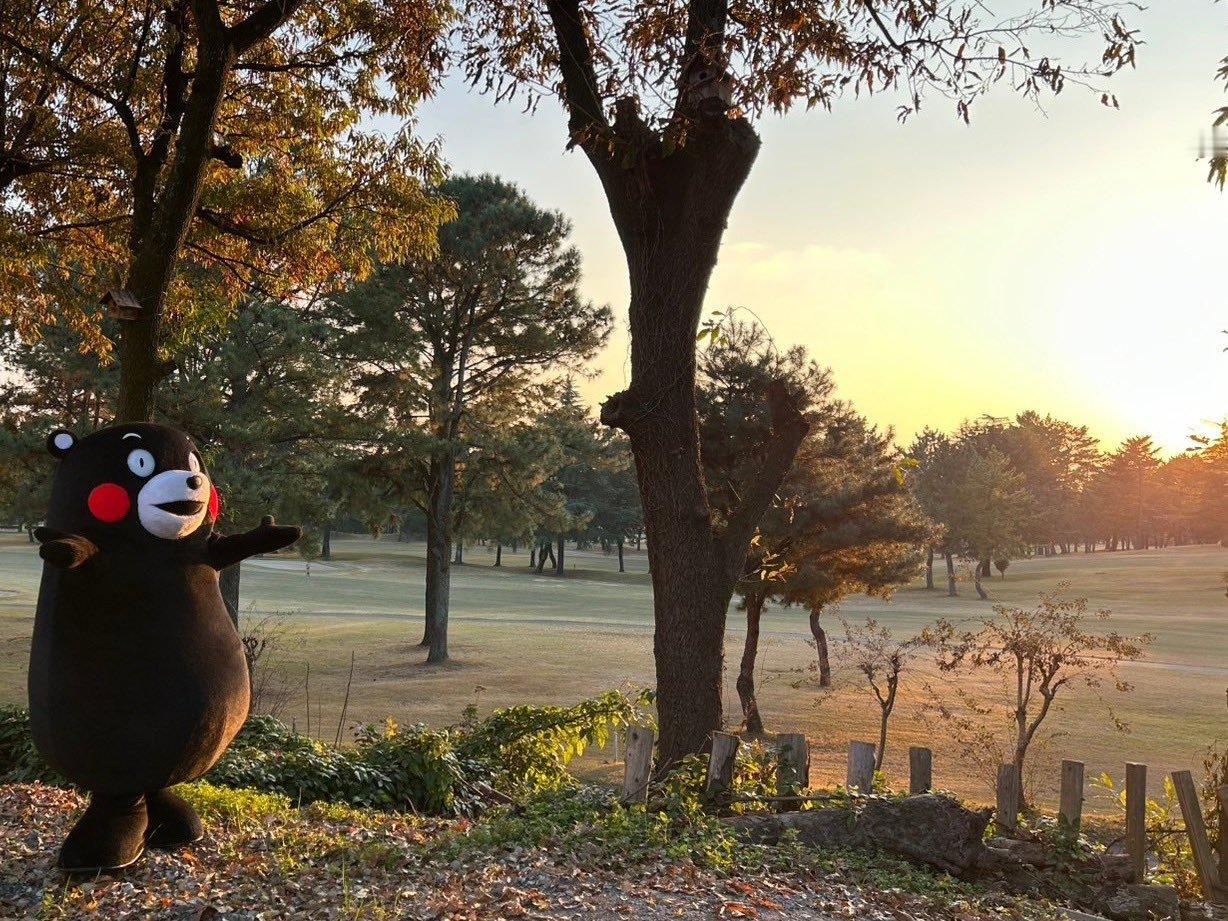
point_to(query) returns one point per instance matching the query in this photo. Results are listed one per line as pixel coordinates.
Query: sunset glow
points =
(1065, 261)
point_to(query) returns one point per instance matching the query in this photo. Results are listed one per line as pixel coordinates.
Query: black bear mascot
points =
(138, 680)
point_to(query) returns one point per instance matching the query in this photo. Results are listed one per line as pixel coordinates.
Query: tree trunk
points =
(439, 556)
(533, 555)
(459, 556)
(976, 583)
(544, 552)
(558, 560)
(499, 553)
(746, 673)
(621, 567)
(885, 708)
(951, 593)
(161, 219)
(228, 582)
(1018, 760)
(820, 643)
(929, 568)
(671, 213)
(326, 545)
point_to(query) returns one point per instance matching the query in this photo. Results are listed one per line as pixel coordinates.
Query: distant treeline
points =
(1037, 485)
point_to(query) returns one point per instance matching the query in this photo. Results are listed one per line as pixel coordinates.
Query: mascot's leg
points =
(172, 822)
(110, 835)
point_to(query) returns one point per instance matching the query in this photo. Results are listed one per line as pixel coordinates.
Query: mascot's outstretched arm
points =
(226, 551)
(67, 551)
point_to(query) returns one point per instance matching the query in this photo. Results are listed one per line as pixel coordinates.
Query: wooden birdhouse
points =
(709, 87)
(122, 305)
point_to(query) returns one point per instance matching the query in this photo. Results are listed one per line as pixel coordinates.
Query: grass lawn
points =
(521, 638)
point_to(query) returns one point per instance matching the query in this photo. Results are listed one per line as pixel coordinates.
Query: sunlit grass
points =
(521, 638)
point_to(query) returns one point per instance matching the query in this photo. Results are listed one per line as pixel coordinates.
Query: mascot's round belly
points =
(137, 677)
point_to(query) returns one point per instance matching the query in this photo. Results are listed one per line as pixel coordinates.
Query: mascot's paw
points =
(276, 535)
(172, 822)
(109, 836)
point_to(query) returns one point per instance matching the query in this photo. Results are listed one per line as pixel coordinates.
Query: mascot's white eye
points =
(141, 462)
(194, 463)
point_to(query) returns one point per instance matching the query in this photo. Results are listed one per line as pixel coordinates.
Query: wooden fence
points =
(793, 778)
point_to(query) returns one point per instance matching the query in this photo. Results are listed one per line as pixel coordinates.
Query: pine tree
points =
(483, 327)
(842, 522)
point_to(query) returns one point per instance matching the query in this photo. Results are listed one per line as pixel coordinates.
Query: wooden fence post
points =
(1007, 814)
(793, 770)
(920, 770)
(721, 763)
(1136, 819)
(861, 767)
(1070, 809)
(1196, 831)
(638, 767)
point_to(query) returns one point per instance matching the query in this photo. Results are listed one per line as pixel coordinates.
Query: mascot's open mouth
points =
(182, 507)
(172, 504)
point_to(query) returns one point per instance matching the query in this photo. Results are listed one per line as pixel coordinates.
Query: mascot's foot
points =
(109, 836)
(172, 822)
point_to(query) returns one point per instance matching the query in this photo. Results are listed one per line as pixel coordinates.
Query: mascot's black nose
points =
(194, 482)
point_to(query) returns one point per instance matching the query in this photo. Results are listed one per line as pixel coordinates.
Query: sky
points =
(1065, 259)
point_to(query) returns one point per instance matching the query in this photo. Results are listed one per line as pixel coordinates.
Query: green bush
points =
(754, 778)
(406, 771)
(526, 750)
(511, 753)
(589, 826)
(20, 761)
(241, 809)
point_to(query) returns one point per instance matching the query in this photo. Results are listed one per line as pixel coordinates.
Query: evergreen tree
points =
(52, 383)
(1125, 498)
(487, 320)
(992, 513)
(265, 399)
(842, 522)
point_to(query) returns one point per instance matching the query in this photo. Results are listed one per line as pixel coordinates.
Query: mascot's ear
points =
(60, 442)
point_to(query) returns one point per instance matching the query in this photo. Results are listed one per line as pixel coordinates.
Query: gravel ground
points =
(322, 863)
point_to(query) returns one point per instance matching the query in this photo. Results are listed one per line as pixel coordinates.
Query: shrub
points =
(511, 753)
(754, 777)
(1165, 836)
(234, 808)
(20, 761)
(527, 749)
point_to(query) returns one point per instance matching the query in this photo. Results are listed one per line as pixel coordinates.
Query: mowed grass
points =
(521, 638)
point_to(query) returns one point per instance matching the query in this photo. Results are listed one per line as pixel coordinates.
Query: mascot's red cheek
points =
(109, 502)
(215, 502)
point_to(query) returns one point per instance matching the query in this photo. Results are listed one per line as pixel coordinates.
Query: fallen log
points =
(930, 829)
